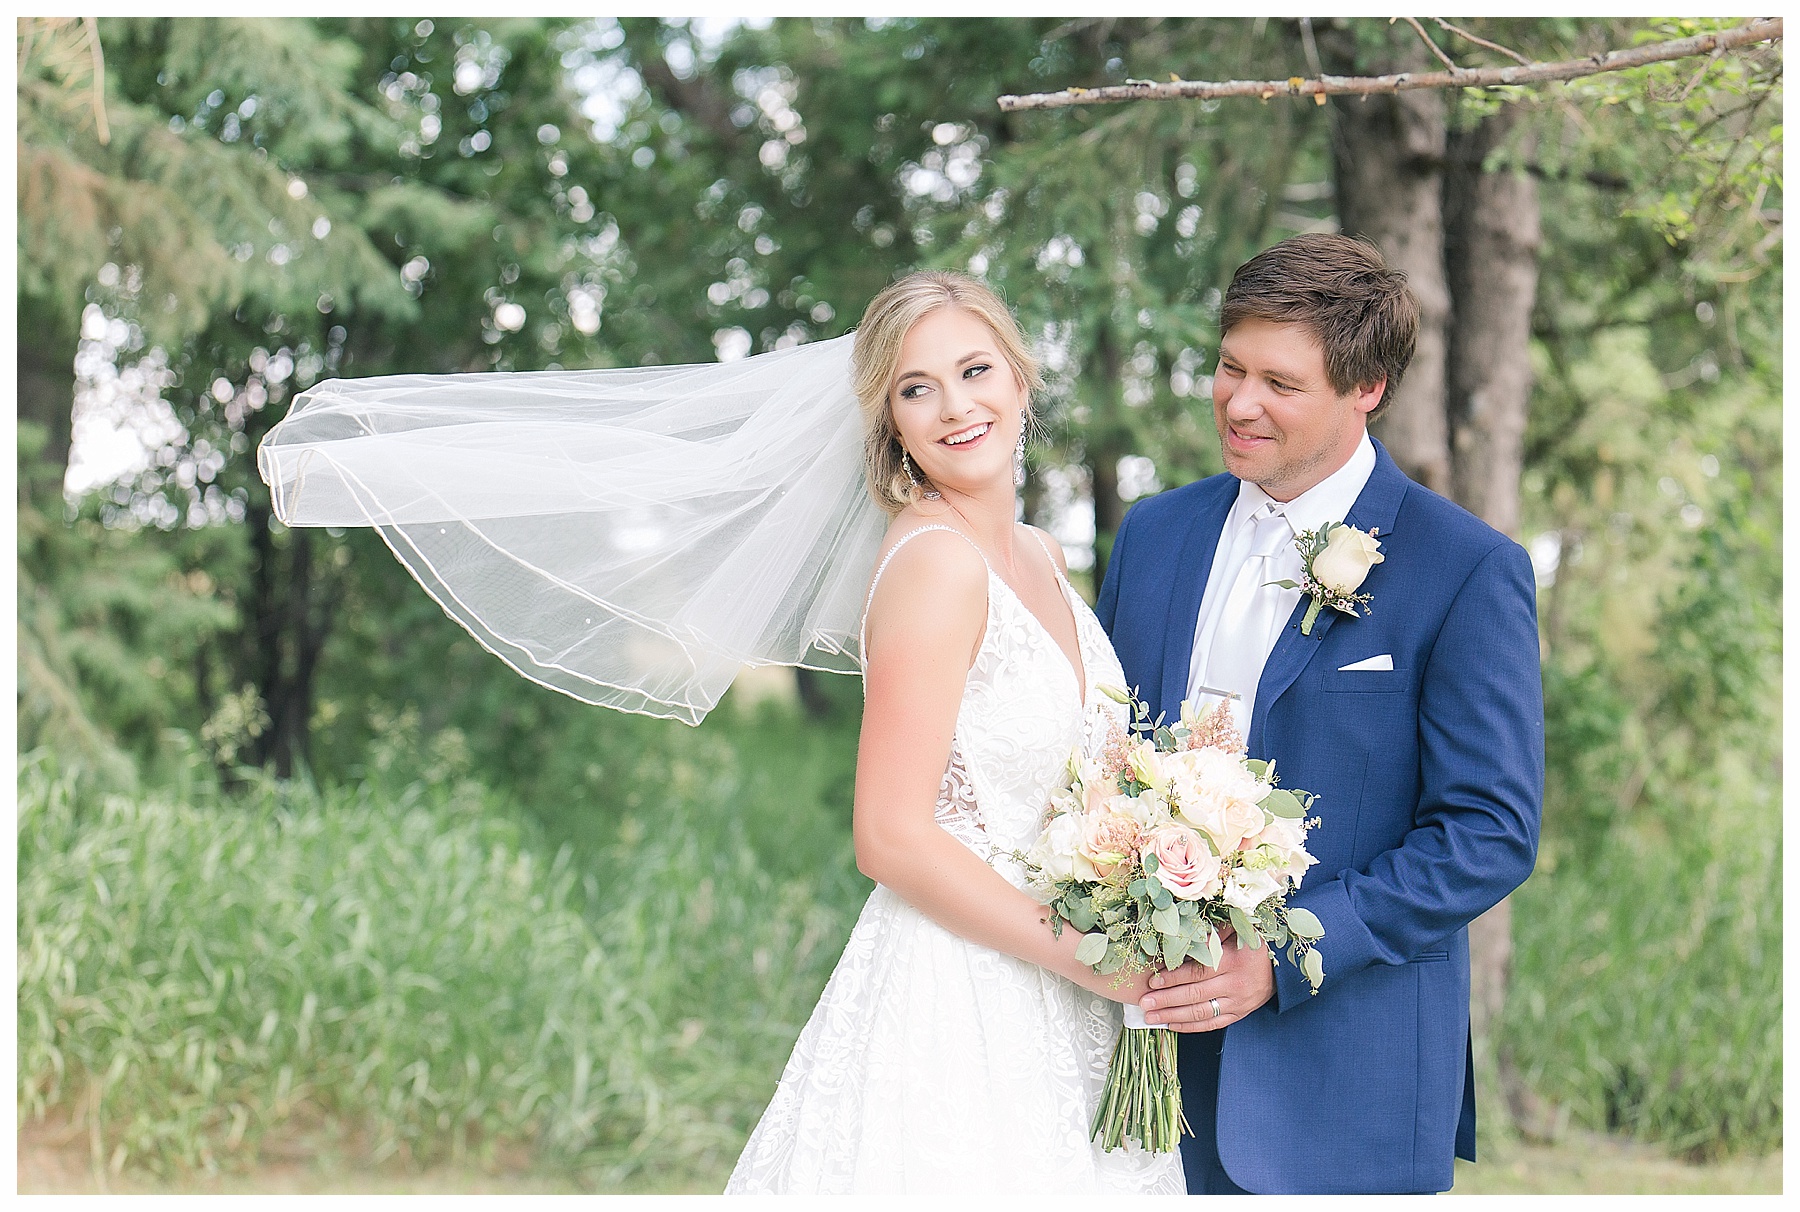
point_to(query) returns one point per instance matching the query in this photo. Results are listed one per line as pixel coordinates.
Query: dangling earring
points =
(1019, 457)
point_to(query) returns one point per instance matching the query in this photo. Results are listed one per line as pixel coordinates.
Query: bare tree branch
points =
(1311, 46)
(1424, 37)
(1762, 29)
(1493, 46)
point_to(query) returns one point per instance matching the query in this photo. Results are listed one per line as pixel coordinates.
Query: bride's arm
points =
(924, 627)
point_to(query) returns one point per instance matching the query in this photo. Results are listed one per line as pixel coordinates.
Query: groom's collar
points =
(1379, 502)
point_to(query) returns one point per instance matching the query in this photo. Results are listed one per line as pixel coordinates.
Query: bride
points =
(634, 537)
(959, 1046)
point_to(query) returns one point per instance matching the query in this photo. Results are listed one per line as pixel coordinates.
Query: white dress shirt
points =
(1327, 501)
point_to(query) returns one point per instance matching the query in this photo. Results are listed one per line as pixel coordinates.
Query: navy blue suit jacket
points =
(1430, 783)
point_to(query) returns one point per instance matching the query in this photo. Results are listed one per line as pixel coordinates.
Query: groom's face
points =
(1282, 426)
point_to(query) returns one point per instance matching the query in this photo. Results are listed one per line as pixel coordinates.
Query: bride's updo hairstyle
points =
(875, 362)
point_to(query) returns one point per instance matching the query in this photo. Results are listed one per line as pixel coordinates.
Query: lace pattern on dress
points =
(957, 813)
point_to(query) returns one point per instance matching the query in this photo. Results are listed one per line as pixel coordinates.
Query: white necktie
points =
(1240, 646)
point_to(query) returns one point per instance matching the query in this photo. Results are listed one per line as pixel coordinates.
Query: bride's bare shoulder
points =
(932, 580)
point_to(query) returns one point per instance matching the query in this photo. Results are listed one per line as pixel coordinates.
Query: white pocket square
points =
(1384, 661)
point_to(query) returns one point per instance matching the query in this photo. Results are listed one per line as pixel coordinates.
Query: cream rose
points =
(1344, 564)
(1223, 811)
(1286, 843)
(1185, 866)
(1058, 851)
(1098, 791)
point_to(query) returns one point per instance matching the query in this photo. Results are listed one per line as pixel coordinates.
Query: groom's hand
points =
(1184, 998)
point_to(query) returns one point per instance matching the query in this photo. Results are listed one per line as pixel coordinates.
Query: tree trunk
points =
(1490, 253)
(1106, 445)
(47, 382)
(1387, 156)
(290, 614)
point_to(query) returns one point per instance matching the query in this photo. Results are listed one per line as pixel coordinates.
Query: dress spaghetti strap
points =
(863, 630)
(1054, 566)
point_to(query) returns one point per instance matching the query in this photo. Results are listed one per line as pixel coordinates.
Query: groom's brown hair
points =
(1339, 287)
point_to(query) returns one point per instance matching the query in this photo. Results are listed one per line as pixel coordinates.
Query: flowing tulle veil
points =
(629, 537)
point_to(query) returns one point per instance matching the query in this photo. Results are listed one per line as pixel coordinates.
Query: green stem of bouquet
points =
(1142, 1099)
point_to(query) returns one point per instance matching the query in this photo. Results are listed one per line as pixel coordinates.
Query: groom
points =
(1419, 726)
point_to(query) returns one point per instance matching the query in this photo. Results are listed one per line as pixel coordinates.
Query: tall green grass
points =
(608, 962)
(1646, 995)
(196, 973)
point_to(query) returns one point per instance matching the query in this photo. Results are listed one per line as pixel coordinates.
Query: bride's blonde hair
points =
(875, 360)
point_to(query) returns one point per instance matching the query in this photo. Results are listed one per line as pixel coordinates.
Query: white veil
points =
(629, 537)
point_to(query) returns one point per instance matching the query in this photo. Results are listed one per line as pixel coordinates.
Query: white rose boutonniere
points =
(1336, 559)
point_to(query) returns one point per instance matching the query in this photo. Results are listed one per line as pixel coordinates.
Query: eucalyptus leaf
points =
(1303, 923)
(1168, 921)
(1160, 896)
(1151, 863)
(1174, 950)
(1313, 968)
(1256, 766)
(1081, 917)
(1211, 949)
(1115, 960)
(1283, 802)
(1240, 922)
(1091, 950)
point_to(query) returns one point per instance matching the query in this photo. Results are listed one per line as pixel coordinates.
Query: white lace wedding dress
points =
(934, 1064)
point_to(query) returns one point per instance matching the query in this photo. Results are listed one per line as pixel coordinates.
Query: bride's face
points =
(957, 403)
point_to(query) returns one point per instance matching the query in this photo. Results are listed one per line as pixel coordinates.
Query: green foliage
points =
(198, 971)
(1647, 982)
(109, 628)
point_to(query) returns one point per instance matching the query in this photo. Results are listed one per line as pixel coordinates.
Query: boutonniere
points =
(1336, 559)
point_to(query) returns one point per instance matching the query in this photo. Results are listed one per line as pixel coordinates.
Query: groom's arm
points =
(1481, 754)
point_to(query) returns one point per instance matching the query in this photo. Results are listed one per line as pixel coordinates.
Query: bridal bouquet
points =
(1167, 838)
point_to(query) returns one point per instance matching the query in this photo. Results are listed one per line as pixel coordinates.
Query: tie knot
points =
(1270, 532)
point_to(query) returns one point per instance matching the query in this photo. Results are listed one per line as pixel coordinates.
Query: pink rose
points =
(1186, 866)
(1098, 792)
(1108, 839)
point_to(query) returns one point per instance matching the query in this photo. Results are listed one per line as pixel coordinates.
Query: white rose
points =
(1344, 564)
(1285, 843)
(1246, 889)
(1058, 851)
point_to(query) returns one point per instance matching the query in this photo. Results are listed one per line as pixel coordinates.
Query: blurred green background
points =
(308, 878)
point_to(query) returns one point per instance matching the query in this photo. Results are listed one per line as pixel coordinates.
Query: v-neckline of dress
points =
(1078, 672)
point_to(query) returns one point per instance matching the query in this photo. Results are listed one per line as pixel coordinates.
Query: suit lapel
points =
(1375, 509)
(1193, 565)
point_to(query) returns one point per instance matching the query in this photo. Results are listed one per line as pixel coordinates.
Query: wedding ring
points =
(1214, 1003)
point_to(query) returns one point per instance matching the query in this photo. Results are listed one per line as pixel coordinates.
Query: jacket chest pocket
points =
(1365, 681)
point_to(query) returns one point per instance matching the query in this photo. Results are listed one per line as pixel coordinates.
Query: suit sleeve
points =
(1106, 607)
(1481, 753)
